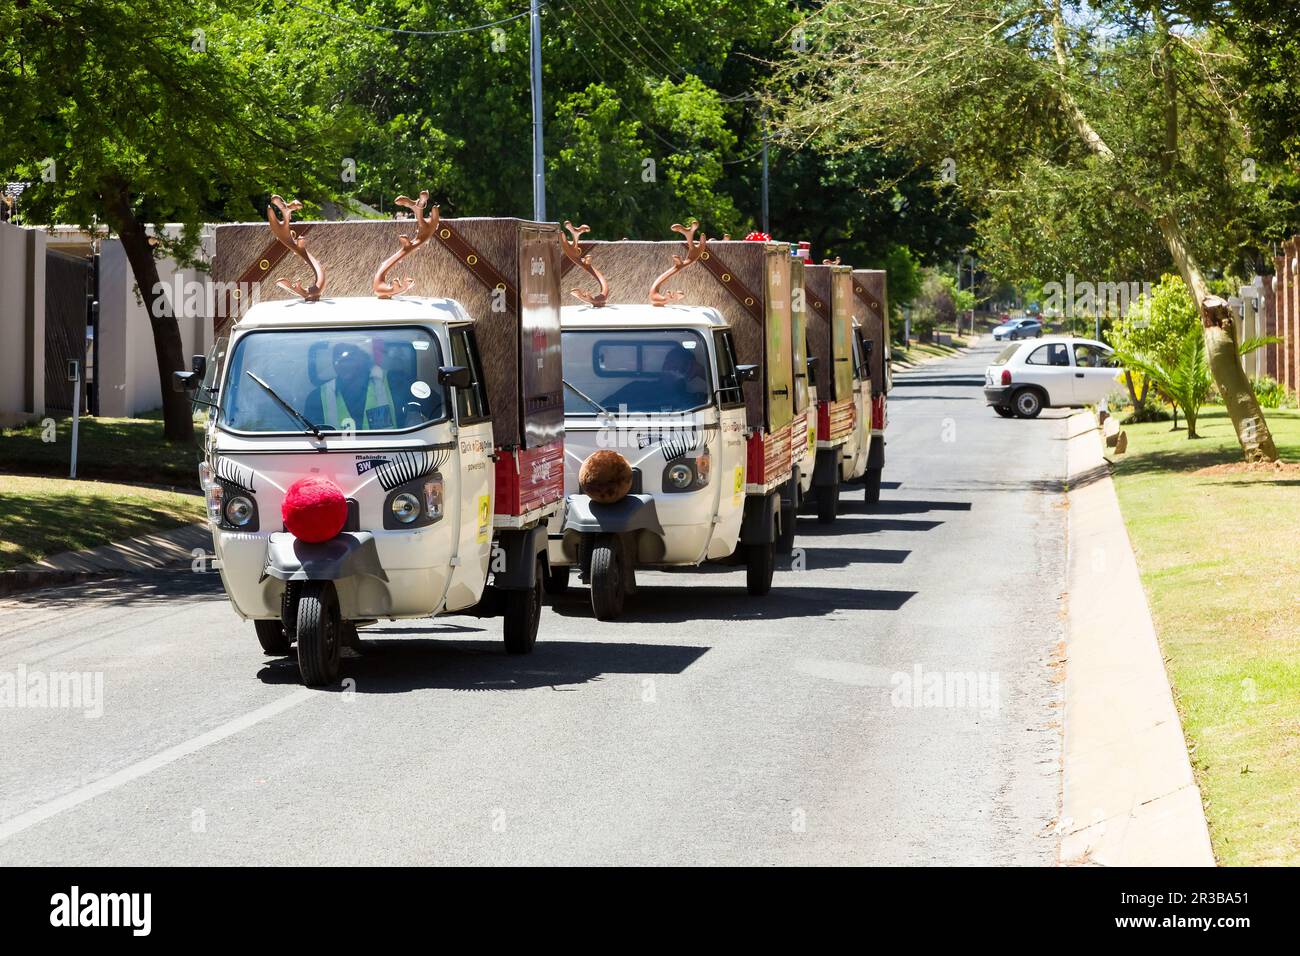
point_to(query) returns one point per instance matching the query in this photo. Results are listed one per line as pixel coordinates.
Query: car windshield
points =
(340, 380)
(1005, 355)
(648, 371)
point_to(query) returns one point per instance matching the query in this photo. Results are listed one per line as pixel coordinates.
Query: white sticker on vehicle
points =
(421, 389)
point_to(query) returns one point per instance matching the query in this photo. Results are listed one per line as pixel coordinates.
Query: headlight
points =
(688, 473)
(239, 511)
(433, 498)
(406, 507)
(680, 475)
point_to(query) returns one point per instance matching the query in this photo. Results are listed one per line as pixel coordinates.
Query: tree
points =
(1112, 129)
(144, 111)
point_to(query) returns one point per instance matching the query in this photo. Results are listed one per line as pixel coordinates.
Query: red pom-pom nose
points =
(314, 509)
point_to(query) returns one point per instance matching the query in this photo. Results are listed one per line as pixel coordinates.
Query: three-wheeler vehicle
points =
(671, 460)
(872, 291)
(843, 385)
(381, 455)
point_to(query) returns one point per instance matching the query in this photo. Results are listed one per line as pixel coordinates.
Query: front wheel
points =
(318, 633)
(273, 637)
(871, 485)
(1028, 403)
(607, 577)
(828, 502)
(760, 562)
(523, 612)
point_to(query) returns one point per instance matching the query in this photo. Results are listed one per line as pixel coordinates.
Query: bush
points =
(1151, 412)
(1270, 392)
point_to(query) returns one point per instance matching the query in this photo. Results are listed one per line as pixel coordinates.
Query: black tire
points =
(273, 638)
(785, 539)
(1027, 402)
(556, 580)
(828, 502)
(1006, 411)
(319, 633)
(760, 562)
(523, 612)
(607, 577)
(871, 485)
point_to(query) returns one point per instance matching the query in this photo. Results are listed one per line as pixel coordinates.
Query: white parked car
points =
(1052, 372)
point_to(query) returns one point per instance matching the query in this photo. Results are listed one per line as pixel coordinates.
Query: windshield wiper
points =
(585, 397)
(293, 412)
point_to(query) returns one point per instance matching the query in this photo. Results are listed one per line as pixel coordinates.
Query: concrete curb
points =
(1128, 794)
(160, 551)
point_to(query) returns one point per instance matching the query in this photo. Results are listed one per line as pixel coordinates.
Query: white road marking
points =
(24, 821)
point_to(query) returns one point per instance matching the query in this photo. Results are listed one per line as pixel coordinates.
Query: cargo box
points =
(803, 435)
(828, 297)
(504, 272)
(871, 290)
(749, 284)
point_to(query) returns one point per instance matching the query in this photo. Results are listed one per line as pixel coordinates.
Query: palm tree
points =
(1184, 381)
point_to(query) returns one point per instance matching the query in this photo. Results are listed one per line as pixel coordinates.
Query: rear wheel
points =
(760, 562)
(318, 634)
(523, 612)
(607, 577)
(273, 637)
(557, 579)
(871, 485)
(828, 502)
(1028, 403)
(785, 539)
(1006, 411)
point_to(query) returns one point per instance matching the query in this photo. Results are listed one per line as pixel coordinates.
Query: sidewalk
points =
(150, 552)
(1129, 797)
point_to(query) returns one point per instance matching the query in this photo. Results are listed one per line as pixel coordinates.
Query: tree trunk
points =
(1220, 338)
(178, 423)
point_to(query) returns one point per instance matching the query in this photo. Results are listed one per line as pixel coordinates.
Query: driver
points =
(684, 378)
(360, 392)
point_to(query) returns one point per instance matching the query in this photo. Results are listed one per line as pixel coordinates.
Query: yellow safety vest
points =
(377, 400)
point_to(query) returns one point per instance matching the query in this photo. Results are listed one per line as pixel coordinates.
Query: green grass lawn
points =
(111, 449)
(43, 516)
(1220, 562)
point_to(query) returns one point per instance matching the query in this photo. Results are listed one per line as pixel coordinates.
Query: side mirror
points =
(747, 373)
(868, 346)
(199, 366)
(457, 376)
(185, 382)
(812, 364)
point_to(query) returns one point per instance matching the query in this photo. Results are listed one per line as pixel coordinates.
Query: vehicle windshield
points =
(648, 371)
(1005, 355)
(339, 380)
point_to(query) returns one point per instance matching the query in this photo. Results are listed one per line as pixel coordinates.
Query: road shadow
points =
(851, 523)
(402, 666)
(658, 604)
(822, 559)
(965, 380)
(899, 506)
(129, 590)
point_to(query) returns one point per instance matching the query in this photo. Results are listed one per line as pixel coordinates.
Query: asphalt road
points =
(704, 728)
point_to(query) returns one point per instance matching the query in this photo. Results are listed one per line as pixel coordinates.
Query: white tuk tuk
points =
(670, 460)
(364, 459)
(871, 289)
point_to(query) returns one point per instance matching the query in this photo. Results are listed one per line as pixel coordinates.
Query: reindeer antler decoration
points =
(694, 249)
(280, 229)
(573, 251)
(380, 284)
